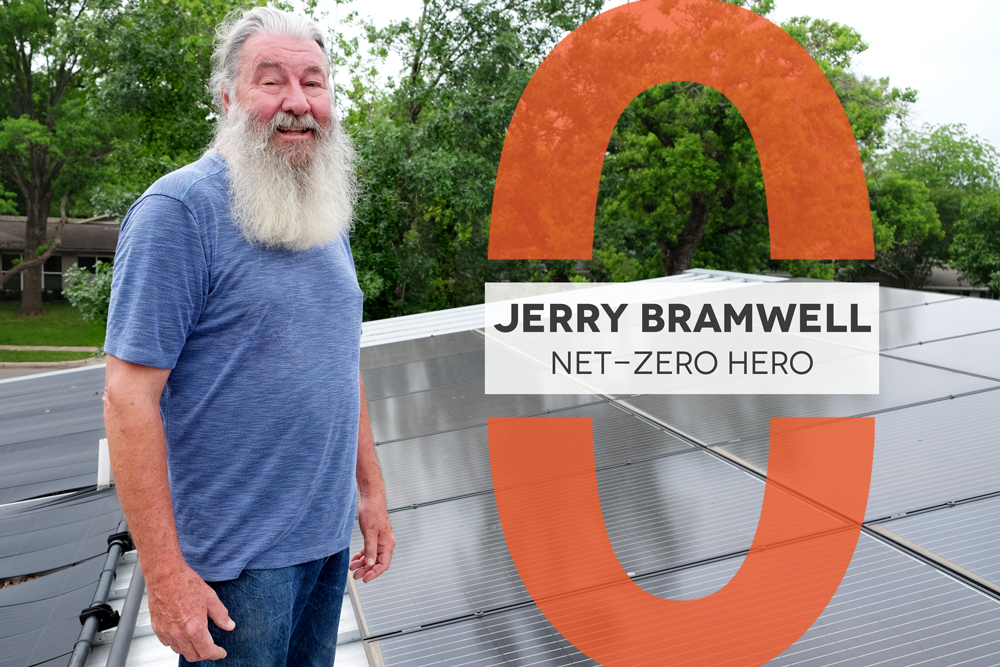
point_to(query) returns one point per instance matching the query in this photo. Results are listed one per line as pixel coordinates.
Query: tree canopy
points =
(100, 98)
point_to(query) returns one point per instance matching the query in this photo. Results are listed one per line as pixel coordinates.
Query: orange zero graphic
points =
(543, 469)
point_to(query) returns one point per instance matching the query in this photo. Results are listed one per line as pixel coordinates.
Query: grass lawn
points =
(62, 326)
(41, 355)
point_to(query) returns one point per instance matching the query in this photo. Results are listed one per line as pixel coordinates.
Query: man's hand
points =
(374, 558)
(373, 517)
(180, 605)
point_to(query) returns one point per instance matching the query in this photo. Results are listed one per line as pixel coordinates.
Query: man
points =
(235, 411)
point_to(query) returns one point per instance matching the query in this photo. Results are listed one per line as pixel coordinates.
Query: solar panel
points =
(519, 637)
(457, 407)
(890, 298)
(718, 419)
(945, 319)
(445, 465)
(415, 376)
(924, 456)
(50, 417)
(973, 354)
(420, 349)
(455, 463)
(39, 619)
(889, 610)
(451, 558)
(964, 534)
(895, 611)
(683, 509)
(46, 534)
(50, 465)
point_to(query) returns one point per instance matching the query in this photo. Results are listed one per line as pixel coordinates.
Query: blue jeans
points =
(286, 617)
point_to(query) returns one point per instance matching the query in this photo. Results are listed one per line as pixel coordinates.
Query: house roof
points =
(96, 238)
(681, 484)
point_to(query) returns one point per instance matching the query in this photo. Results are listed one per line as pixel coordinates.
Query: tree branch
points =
(56, 242)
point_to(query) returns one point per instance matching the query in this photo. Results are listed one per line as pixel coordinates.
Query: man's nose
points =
(295, 101)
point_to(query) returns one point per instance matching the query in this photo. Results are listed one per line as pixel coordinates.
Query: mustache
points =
(287, 121)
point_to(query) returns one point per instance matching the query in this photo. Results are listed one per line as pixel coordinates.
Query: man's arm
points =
(180, 603)
(373, 518)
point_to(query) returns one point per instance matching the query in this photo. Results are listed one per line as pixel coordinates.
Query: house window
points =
(6, 264)
(52, 273)
(90, 263)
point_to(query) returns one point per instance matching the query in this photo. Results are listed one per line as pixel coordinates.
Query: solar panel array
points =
(681, 485)
(54, 523)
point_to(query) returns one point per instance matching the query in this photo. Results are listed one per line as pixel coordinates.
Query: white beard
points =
(287, 198)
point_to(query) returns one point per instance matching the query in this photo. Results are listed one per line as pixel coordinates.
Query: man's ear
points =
(225, 102)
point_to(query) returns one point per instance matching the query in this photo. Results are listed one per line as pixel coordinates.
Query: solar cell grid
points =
(451, 558)
(924, 456)
(889, 610)
(965, 534)
(435, 467)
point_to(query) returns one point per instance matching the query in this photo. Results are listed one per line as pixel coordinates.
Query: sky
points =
(943, 50)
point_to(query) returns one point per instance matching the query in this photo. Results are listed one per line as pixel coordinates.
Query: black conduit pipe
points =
(98, 616)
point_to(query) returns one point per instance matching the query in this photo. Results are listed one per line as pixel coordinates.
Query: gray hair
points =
(238, 27)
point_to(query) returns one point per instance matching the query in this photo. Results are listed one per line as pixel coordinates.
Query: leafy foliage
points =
(429, 145)
(88, 292)
(52, 134)
(975, 251)
(682, 184)
(932, 167)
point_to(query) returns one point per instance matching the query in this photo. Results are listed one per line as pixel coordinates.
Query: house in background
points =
(84, 242)
(945, 280)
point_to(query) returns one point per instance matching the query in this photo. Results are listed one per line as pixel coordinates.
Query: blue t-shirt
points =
(261, 406)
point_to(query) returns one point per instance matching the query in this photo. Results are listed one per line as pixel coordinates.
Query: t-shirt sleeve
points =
(160, 283)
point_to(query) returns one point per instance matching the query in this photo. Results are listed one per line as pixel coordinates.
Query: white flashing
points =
(51, 373)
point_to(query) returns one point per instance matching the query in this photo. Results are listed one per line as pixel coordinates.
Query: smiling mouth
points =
(285, 130)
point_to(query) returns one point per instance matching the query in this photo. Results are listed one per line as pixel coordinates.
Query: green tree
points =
(975, 251)
(906, 227)
(51, 132)
(682, 184)
(429, 144)
(953, 164)
(159, 64)
(950, 167)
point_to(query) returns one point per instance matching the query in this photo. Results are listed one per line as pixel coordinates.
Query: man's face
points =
(284, 74)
